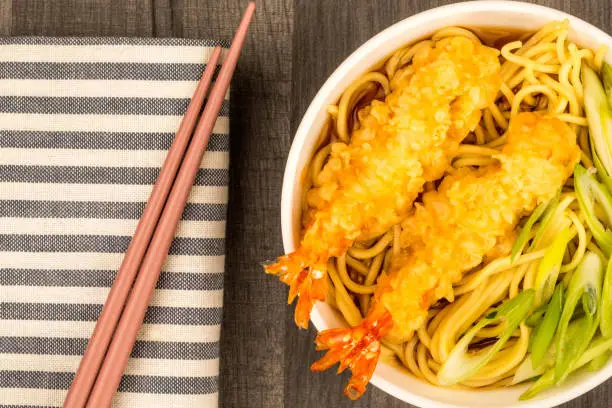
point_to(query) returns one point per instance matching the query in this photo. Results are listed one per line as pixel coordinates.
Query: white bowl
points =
(503, 14)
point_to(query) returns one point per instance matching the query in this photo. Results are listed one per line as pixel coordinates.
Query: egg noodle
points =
(540, 74)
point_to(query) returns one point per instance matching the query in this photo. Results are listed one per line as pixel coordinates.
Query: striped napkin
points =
(84, 128)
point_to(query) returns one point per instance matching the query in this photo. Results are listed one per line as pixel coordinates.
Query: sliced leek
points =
(606, 76)
(536, 317)
(523, 236)
(596, 349)
(605, 324)
(544, 333)
(527, 371)
(546, 221)
(586, 285)
(460, 364)
(541, 384)
(599, 361)
(550, 265)
(589, 191)
(599, 117)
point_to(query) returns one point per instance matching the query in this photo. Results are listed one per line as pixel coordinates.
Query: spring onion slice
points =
(527, 371)
(543, 334)
(599, 117)
(536, 317)
(605, 324)
(599, 361)
(547, 370)
(550, 265)
(606, 76)
(523, 236)
(546, 220)
(460, 365)
(589, 190)
(541, 384)
(586, 285)
(596, 349)
(601, 172)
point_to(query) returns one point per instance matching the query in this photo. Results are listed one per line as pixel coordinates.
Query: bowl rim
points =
(292, 172)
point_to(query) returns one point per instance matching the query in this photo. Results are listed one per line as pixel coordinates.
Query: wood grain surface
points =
(292, 48)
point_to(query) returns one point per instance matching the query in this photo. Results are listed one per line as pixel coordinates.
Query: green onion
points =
(599, 117)
(586, 285)
(589, 191)
(597, 348)
(527, 370)
(542, 383)
(548, 373)
(601, 172)
(606, 76)
(550, 265)
(543, 334)
(536, 317)
(546, 220)
(599, 361)
(460, 365)
(523, 236)
(598, 351)
(605, 324)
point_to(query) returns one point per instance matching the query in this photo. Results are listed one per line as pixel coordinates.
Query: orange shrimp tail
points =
(357, 348)
(307, 282)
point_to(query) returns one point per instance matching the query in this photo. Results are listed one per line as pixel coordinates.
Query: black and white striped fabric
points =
(84, 128)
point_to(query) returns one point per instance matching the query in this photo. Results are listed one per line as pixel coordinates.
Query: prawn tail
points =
(306, 281)
(357, 348)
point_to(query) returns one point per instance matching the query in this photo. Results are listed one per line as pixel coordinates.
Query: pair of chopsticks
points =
(110, 345)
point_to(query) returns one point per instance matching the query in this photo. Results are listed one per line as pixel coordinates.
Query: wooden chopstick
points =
(121, 345)
(101, 337)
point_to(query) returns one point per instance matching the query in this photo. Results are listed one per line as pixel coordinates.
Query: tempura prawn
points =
(369, 184)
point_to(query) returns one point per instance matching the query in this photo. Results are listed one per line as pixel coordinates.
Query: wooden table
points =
(292, 47)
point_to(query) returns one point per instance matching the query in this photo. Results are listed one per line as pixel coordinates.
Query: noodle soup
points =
(536, 77)
(540, 76)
